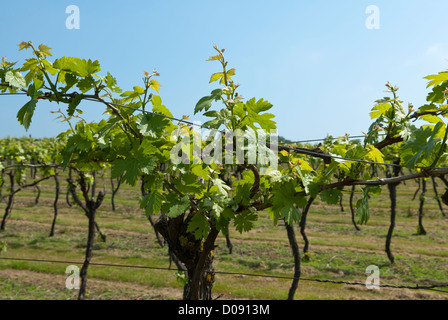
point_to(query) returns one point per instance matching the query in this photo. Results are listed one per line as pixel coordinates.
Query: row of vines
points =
(190, 202)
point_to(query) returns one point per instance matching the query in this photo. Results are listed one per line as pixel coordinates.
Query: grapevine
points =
(194, 199)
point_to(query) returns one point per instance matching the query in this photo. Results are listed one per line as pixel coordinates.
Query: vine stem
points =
(434, 185)
(302, 224)
(393, 204)
(421, 229)
(207, 248)
(352, 209)
(296, 255)
(55, 204)
(386, 181)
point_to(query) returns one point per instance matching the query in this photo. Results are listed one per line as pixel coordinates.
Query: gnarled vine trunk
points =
(393, 204)
(352, 209)
(296, 255)
(89, 206)
(434, 186)
(10, 204)
(196, 255)
(420, 229)
(55, 204)
(302, 225)
(88, 254)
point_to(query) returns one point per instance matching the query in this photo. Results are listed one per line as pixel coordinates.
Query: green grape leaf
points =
(221, 118)
(306, 177)
(188, 183)
(86, 84)
(15, 79)
(380, 109)
(436, 79)
(152, 203)
(220, 76)
(362, 207)
(431, 118)
(258, 106)
(24, 45)
(216, 76)
(212, 58)
(45, 50)
(66, 64)
(223, 222)
(245, 221)
(253, 112)
(206, 102)
(437, 94)
(373, 154)
(314, 189)
(374, 190)
(138, 90)
(285, 203)
(81, 67)
(178, 206)
(32, 92)
(32, 65)
(49, 67)
(221, 186)
(420, 145)
(199, 224)
(74, 102)
(111, 83)
(331, 196)
(151, 125)
(154, 84)
(242, 194)
(128, 166)
(86, 68)
(70, 81)
(230, 72)
(26, 112)
(201, 170)
(158, 107)
(216, 205)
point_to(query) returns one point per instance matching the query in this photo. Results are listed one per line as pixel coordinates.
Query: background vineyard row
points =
(337, 250)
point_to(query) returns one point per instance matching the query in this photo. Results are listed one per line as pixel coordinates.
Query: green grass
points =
(338, 252)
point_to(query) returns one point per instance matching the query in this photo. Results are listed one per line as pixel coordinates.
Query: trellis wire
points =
(416, 287)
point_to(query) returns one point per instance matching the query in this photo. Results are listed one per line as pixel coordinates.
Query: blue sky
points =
(315, 61)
